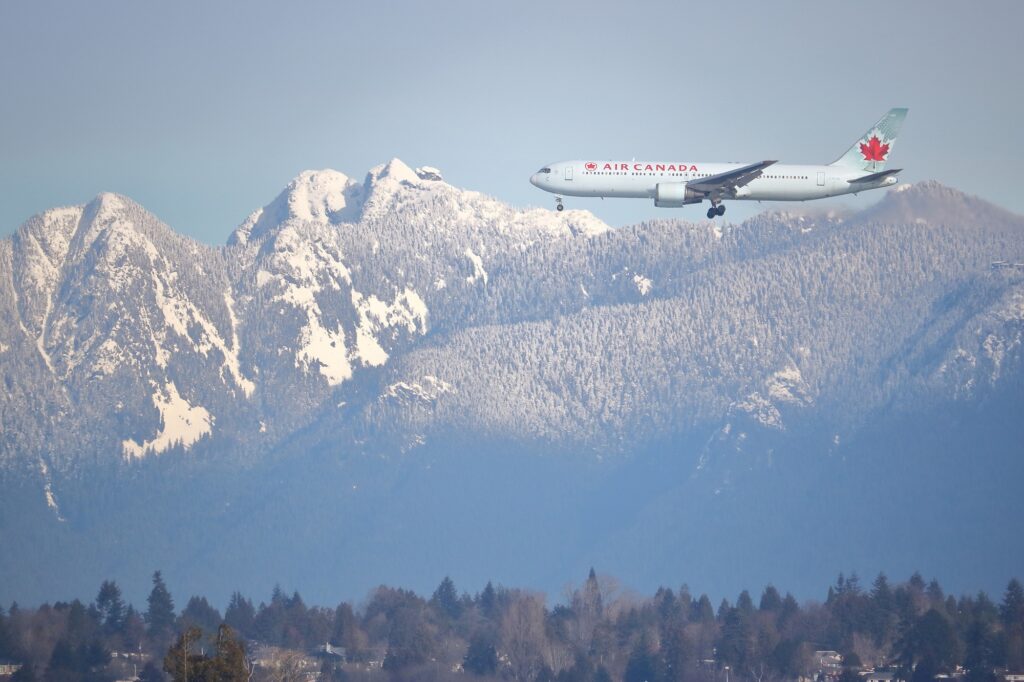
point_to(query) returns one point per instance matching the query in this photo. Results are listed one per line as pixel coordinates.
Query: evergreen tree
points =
(78, 662)
(133, 630)
(703, 612)
(81, 625)
(446, 599)
(770, 600)
(930, 643)
(881, 593)
(6, 639)
(643, 664)
(240, 615)
(489, 601)
(736, 642)
(110, 606)
(1012, 609)
(160, 612)
(744, 603)
(481, 658)
(1011, 612)
(344, 631)
(980, 652)
(199, 613)
(678, 654)
(790, 610)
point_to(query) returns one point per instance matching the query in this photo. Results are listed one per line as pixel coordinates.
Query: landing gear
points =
(558, 204)
(718, 210)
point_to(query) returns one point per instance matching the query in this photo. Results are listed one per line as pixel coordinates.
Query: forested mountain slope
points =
(395, 367)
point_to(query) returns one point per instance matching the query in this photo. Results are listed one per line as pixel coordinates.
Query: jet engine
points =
(675, 194)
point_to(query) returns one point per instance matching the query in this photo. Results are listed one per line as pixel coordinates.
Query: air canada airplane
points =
(678, 183)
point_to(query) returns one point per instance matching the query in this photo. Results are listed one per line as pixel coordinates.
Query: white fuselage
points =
(639, 180)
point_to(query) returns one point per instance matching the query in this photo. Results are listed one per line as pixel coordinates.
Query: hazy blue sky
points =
(202, 112)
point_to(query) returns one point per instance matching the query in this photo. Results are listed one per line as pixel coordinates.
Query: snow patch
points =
(787, 385)
(109, 356)
(643, 284)
(51, 498)
(408, 311)
(762, 410)
(180, 423)
(324, 349)
(478, 267)
(263, 278)
(429, 390)
(231, 360)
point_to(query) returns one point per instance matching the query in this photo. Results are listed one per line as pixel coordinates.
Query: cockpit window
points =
(544, 170)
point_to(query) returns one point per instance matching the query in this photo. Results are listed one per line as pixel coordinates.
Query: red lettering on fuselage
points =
(651, 167)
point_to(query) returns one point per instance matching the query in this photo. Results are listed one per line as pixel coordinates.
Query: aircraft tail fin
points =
(872, 150)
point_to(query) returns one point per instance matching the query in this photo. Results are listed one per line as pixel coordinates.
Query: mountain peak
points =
(314, 195)
(933, 203)
(395, 169)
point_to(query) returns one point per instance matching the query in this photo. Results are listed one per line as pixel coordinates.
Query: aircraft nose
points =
(534, 180)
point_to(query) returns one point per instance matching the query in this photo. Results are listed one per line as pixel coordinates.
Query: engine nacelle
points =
(675, 194)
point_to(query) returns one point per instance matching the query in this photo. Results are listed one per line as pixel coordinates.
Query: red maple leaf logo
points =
(591, 166)
(874, 150)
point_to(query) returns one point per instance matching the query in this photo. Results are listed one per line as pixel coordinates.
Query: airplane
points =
(673, 184)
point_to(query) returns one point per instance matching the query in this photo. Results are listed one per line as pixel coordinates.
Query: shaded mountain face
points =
(394, 368)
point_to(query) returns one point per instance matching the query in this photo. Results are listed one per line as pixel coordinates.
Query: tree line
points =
(597, 631)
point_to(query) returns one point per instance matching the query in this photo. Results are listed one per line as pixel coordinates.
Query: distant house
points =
(1013, 677)
(829, 662)
(881, 676)
(8, 667)
(331, 653)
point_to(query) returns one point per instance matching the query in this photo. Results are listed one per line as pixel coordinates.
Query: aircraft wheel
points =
(712, 213)
(560, 207)
(721, 209)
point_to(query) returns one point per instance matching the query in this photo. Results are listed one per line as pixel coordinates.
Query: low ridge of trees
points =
(597, 632)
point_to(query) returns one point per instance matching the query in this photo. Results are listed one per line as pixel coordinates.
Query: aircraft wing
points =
(729, 181)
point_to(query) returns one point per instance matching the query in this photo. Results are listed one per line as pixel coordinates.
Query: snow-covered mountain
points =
(397, 366)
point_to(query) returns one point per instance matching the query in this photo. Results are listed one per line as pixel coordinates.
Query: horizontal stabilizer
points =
(873, 177)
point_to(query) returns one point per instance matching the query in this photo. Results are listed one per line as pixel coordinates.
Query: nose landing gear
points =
(716, 209)
(558, 204)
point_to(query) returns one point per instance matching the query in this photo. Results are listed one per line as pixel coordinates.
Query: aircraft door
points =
(568, 172)
(821, 178)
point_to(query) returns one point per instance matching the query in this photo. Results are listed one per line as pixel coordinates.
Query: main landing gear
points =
(718, 210)
(558, 204)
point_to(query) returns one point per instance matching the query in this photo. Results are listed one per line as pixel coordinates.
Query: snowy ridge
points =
(550, 326)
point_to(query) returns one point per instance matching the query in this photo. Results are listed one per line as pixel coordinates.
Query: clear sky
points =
(203, 111)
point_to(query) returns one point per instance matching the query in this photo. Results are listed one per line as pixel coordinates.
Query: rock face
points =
(399, 367)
